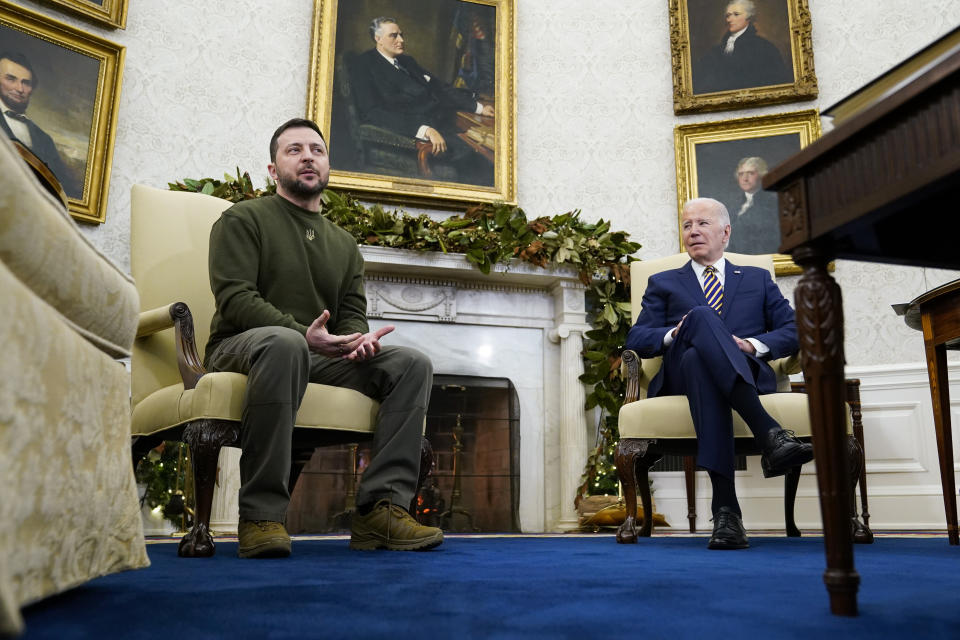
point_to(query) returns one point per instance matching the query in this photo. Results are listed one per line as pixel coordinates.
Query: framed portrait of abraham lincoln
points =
(727, 160)
(733, 54)
(417, 98)
(59, 92)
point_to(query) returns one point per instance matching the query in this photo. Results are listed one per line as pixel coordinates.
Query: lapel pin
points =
(736, 270)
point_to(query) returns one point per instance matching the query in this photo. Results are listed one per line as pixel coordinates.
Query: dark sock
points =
(364, 509)
(724, 493)
(746, 402)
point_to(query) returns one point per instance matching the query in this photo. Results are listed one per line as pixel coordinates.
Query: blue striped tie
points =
(712, 288)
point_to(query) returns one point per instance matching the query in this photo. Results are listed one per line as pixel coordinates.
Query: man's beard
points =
(293, 185)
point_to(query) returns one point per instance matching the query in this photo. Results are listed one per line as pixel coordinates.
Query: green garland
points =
(489, 234)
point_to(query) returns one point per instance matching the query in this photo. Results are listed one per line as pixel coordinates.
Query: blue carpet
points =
(530, 587)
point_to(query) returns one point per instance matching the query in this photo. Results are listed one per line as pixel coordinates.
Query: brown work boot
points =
(262, 539)
(389, 526)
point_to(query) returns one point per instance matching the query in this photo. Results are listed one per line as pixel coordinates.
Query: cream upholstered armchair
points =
(652, 427)
(68, 499)
(174, 398)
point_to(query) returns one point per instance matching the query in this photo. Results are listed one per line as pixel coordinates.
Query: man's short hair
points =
(376, 23)
(753, 161)
(290, 124)
(722, 214)
(23, 61)
(748, 7)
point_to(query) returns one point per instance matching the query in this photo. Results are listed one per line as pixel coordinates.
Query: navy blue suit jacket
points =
(753, 307)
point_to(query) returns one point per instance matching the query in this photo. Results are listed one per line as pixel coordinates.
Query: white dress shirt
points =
(732, 39)
(18, 127)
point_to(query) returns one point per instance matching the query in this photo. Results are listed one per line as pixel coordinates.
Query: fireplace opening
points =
(473, 425)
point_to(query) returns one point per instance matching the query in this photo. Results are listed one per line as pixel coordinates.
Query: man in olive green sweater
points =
(291, 309)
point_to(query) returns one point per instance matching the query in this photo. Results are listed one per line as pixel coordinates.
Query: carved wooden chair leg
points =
(856, 413)
(690, 477)
(790, 483)
(861, 532)
(625, 459)
(643, 463)
(426, 468)
(205, 438)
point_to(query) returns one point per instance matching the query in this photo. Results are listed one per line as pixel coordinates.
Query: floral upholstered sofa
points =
(68, 500)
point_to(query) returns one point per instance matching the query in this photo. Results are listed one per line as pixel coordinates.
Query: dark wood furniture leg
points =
(862, 533)
(205, 438)
(820, 329)
(690, 476)
(790, 483)
(633, 456)
(940, 396)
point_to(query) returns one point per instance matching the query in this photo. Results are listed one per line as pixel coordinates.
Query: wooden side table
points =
(937, 314)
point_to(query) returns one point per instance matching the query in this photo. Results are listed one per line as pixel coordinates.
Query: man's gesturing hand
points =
(370, 344)
(327, 344)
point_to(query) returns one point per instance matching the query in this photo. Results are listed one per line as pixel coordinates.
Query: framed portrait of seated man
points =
(59, 93)
(417, 98)
(727, 161)
(731, 54)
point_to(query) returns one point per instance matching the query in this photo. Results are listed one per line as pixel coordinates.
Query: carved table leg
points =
(205, 438)
(820, 329)
(940, 395)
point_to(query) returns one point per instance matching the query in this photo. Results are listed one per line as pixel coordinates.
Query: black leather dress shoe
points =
(728, 531)
(782, 452)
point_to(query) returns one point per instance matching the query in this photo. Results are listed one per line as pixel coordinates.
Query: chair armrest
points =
(632, 372)
(379, 135)
(153, 321)
(787, 366)
(178, 316)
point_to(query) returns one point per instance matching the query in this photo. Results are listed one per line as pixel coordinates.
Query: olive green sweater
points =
(275, 264)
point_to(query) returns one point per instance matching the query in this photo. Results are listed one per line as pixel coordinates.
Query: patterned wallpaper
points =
(205, 83)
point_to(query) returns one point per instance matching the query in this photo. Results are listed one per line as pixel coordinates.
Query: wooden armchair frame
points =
(205, 437)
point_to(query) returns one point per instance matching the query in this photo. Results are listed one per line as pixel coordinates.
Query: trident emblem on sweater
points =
(310, 234)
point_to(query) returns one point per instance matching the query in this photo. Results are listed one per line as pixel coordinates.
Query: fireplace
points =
(473, 425)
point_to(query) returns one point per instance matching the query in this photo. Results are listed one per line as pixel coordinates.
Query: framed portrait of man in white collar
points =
(59, 92)
(727, 160)
(740, 53)
(418, 98)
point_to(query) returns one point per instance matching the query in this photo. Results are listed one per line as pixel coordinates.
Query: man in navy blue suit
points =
(716, 325)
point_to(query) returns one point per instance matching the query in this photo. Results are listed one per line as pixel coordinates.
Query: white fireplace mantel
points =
(520, 322)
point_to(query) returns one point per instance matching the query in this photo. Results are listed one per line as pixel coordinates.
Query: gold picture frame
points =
(769, 62)
(470, 46)
(708, 157)
(108, 13)
(72, 108)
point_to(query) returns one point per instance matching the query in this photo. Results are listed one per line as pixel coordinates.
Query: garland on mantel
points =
(488, 234)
